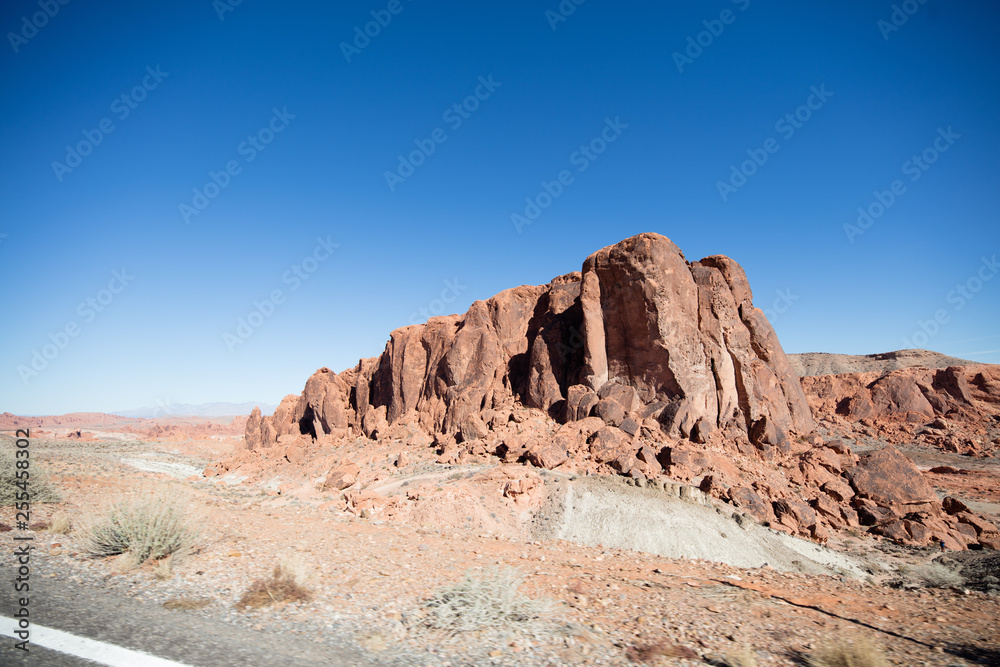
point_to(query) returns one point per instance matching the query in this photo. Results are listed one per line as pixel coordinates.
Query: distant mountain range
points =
(168, 409)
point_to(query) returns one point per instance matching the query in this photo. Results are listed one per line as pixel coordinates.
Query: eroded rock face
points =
(640, 333)
(891, 480)
(687, 336)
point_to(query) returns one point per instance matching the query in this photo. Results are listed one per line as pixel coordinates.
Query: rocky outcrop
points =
(956, 408)
(639, 334)
(645, 365)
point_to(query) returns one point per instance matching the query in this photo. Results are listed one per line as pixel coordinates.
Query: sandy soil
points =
(373, 571)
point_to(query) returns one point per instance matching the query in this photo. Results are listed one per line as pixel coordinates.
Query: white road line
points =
(88, 649)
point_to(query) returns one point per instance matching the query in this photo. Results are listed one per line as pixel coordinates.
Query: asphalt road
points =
(175, 635)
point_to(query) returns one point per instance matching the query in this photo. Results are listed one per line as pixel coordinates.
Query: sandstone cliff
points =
(663, 339)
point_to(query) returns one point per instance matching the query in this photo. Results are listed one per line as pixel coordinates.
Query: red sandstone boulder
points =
(608, 444)
(891, 480)
(341, 477)
(580, 401)
(547, 455)
(610, 411)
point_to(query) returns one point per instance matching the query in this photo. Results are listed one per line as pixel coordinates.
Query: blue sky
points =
(308, 129)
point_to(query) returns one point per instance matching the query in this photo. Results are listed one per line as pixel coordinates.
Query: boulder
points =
(890, 479)
(838, 490)
(629, 425)
(580, 402)
(608, 444)
(953, 505)
(750, 501)
(341, 477)
(547, 455)
(978, 523)
(610, 411)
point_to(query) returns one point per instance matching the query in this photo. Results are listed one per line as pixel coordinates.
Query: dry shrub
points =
(936, 575)
(61, 524)
(40, 490)
(649, 654)
(287, 584)
(163, 569)
(186, 604)
(492, 600)
(859, 654)
(151, 527)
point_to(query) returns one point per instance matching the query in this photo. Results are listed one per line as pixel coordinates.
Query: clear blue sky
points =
(214, 82)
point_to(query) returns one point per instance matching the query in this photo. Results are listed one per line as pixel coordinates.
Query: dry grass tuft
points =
(39, 488)
(859, 654)
(163, 569)
(492, 600)
(61, 524)
(186, 604)
(649, 654)
(936, 575)
(287, 584)
(151, 527)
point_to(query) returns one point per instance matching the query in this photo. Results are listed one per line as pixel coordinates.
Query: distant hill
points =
(202, 410)
(823, 363)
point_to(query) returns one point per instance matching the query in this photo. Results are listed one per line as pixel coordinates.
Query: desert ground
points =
(611, 601)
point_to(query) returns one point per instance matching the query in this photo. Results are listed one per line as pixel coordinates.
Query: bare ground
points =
(371, 576)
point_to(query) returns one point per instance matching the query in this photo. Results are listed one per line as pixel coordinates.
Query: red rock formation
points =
(639, 334)
(646, 365)
(951, 408)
